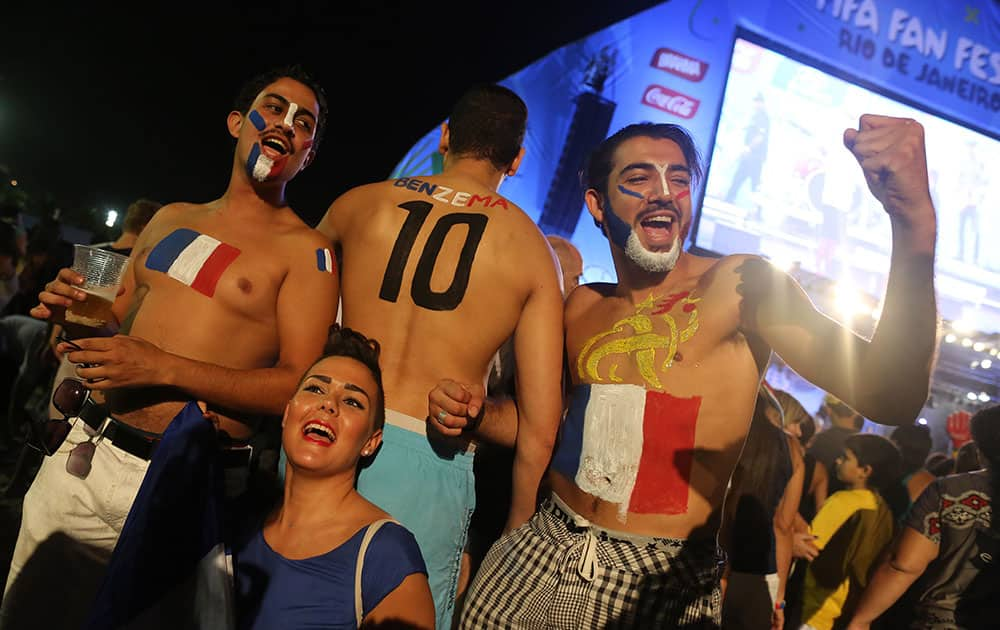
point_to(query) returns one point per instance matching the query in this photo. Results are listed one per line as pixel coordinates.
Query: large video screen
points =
(781, 184)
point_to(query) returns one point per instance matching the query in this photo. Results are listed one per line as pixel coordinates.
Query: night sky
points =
(99, 107)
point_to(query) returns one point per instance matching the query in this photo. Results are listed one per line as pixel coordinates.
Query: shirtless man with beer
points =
(442, 270)
(226, 302)
(665, 367)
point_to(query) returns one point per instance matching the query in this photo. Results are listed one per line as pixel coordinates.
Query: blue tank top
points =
(318, 592)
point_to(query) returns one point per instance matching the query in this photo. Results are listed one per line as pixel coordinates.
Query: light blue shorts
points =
(430, 488)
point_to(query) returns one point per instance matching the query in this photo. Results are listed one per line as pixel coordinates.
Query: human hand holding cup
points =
(102, 272)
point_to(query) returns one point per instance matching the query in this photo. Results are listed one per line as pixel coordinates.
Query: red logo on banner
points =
(679, 64)
(671, 102)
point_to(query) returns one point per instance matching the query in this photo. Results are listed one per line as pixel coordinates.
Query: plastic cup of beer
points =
(103, 272)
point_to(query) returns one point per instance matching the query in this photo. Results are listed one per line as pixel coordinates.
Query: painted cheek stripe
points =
(194, 259)
(631, 193)
(682, 194)
(258, 164)
(290, 116)
(257, 120)
(325, 261)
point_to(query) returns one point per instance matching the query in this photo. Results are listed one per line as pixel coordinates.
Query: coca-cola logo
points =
(679, 64)
(675, 103)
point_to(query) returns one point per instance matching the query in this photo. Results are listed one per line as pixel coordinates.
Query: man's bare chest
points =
(196, 267)
(643, 344)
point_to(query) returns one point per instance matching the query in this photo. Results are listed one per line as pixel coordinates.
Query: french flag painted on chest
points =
(629, 446)
(194, 259)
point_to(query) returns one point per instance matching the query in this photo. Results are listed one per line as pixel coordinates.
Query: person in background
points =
(828, 445)
(967, 458)
(761, 505)
(947, 552)
(10, 258)
(914, 443)
(940, 464)
(849, 531)
(799, 423)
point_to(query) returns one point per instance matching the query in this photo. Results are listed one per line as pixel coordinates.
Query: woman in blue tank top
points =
(325, 557)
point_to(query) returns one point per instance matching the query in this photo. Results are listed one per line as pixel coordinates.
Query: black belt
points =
(143, 444)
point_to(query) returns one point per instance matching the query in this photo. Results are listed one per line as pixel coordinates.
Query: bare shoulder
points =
(351, 201)
(745, 274)
(586, 296)
(177, 212)
(351, 197)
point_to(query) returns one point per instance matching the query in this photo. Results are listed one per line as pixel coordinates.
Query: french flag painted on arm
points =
(325, 261)
(194, 259)
(631, 446)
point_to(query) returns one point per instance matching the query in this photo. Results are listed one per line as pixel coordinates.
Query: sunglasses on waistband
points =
(68, 398)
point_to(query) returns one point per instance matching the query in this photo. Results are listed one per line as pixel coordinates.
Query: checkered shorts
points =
(553, 572)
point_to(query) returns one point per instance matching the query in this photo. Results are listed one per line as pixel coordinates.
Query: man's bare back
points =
(438, 269)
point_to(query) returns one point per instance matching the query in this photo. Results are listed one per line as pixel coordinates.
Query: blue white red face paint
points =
(624, 235)
(261, 166)
(194, 259)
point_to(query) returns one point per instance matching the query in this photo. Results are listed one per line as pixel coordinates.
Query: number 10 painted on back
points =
(420, 291)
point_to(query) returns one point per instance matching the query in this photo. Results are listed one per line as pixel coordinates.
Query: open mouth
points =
(658, 228)
(275, 146)
(320, 433)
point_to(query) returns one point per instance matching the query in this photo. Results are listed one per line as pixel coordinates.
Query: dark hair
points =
(764, 458)
(488, 123)
(985, 425)
(139, 213)
(879, 453)
(598, 169)
(939, 464)
(346, 342)
(967, 458)
(252, 88)
(914, 442)
(808, 429)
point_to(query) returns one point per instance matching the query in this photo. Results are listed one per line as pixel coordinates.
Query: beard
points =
(652, 262)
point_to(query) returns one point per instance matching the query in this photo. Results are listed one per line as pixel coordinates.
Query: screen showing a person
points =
(782, 185)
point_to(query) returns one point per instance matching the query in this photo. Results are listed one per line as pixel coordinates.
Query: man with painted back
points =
(212, 310)
(665, 367)
(441, 270)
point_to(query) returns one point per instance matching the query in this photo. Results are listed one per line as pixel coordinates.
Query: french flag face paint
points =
(630, 446)
(194, 259)
(261, 167)
(290, 115)
(325, 261)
